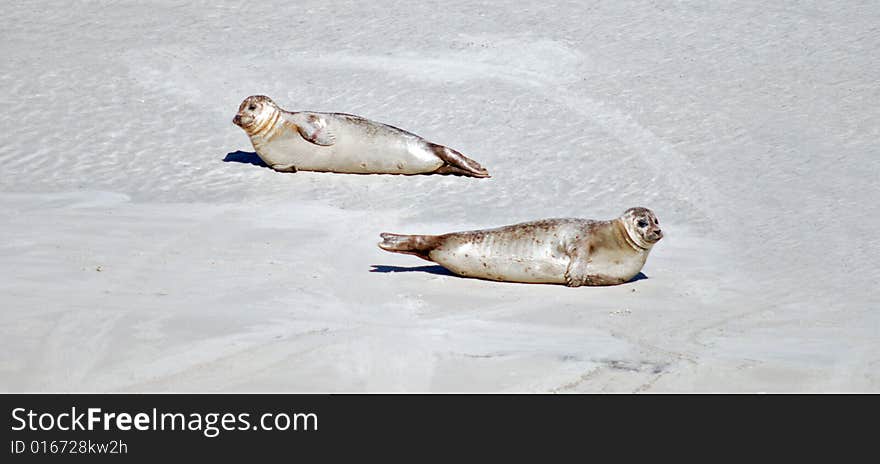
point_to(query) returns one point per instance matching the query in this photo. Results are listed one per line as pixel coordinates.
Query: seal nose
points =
(237, 120)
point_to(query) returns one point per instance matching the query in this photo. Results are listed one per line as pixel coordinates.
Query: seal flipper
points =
(419, 245)
(578, 271)
(284, 167)
(311, 127)
(457, 163)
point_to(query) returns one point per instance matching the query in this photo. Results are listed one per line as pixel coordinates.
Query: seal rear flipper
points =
(418, 245)
(457, 163)
(452, 170)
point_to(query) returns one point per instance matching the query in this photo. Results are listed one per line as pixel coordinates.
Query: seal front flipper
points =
(577, 272)
(284, 167)
(311, 127)
(581, 270)
(457, 163)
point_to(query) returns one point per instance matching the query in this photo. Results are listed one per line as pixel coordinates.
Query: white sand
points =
(135, 259)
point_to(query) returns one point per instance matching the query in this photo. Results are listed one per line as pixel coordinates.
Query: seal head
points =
(642, 228)
(257, 114)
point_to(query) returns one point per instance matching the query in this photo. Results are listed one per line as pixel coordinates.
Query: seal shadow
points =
(438, 270)
(245, 157)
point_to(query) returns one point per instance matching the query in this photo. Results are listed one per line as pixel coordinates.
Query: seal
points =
(574, 252)
(339, 142)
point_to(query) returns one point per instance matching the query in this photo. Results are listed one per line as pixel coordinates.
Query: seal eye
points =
(642, 223)
(252, 107)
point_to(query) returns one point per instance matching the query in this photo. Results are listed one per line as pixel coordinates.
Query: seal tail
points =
(419, 245)
(457, 163)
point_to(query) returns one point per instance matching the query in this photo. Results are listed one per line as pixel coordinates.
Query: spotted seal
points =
(338, 142)
(574, 252)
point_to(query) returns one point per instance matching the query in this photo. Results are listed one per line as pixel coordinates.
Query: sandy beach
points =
(145, 247)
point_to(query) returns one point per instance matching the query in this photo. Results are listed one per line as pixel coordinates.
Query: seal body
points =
(574, 252)
(345, 143)
(361, 147)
